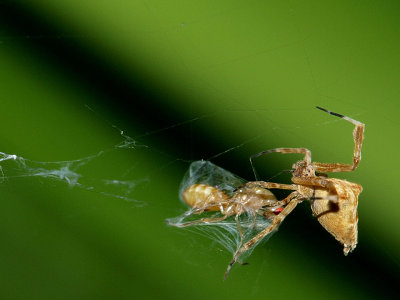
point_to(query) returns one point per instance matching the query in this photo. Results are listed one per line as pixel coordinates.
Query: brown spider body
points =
(338, 216)
(334, 201)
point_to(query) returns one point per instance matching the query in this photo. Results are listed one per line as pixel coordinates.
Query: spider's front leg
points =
(292, 203)
(358, 136)
(305, 151)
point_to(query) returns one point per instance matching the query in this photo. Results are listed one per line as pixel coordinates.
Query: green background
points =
(191, 80)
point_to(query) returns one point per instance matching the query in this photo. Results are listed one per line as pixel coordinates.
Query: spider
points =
(333, 201)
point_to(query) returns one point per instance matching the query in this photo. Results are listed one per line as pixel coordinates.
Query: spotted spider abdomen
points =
(339, 217)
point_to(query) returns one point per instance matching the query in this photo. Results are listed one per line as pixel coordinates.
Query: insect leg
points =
(203, 220)
(239, 228)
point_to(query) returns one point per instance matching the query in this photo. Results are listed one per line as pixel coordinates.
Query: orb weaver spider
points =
(333, 201)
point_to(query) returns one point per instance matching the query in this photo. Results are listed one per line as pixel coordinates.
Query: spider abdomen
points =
(339, 215)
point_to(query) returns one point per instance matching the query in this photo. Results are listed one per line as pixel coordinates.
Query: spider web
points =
(72, 172)
(75, 174)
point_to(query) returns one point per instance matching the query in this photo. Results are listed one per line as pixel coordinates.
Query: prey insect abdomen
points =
(205, 197)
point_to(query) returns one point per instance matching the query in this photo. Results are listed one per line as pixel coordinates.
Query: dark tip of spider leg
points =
(321, 108)
(229, 268)
(330, 112)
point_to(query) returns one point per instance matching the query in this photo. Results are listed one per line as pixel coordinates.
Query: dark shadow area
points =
(138, 102)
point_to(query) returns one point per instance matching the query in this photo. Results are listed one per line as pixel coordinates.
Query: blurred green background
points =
(190, 80)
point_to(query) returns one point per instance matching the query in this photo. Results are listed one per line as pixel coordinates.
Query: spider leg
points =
(358, 136)
(271, 185)
(328, 184)
(314, 181)
(306, 152)
(293, 201)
